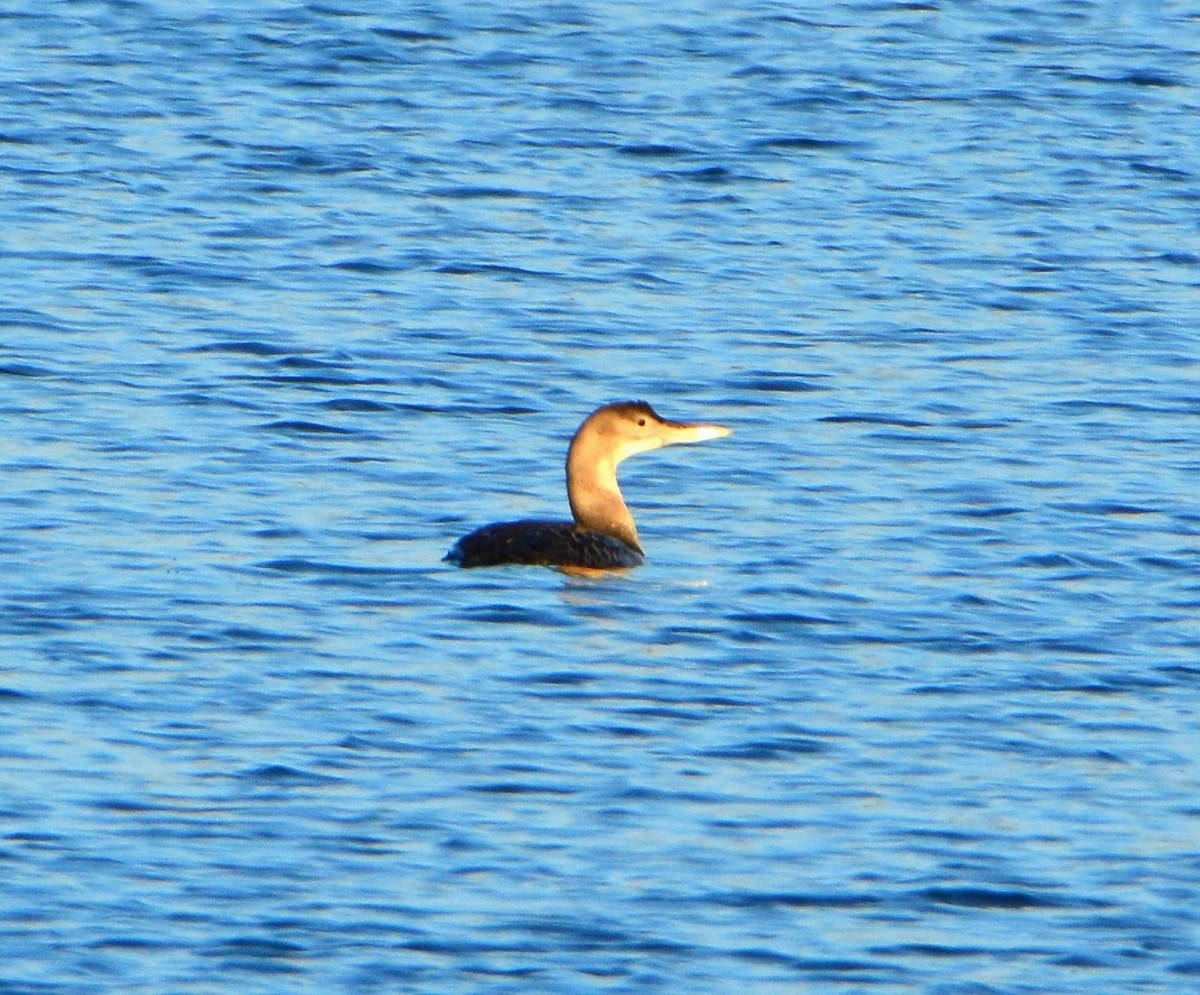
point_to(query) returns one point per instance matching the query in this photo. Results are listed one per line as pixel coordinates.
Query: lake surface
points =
(907, 697)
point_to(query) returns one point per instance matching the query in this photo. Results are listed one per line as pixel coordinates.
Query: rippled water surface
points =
(906, 697)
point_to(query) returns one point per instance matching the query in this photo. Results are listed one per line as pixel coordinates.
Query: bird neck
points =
(596, 501)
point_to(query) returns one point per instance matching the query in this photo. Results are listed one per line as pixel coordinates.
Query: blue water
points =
(907, 697)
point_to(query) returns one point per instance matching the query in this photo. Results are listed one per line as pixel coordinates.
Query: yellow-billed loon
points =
(602, 536)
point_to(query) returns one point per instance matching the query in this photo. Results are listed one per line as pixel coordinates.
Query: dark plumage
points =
(544, 544)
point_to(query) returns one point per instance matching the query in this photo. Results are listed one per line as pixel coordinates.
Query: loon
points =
(602, 535)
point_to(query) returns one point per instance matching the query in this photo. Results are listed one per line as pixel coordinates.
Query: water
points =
(905, 699)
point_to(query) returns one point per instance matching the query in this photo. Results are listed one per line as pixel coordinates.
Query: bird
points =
(602, 535)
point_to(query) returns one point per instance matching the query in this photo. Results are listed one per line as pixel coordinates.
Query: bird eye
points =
(642, 421)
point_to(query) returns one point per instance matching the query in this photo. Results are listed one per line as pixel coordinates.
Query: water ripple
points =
(904, 698)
